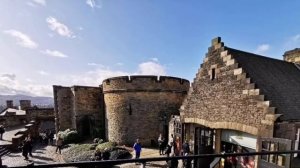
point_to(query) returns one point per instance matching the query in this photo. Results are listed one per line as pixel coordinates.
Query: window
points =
(213, 74)
(278, 159)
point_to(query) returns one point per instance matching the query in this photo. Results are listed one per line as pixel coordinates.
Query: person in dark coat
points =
(30, 145)
(2, 130)
(160, 144)
(25, 149)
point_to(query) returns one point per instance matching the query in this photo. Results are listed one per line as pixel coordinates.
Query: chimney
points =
(9, 104)
(292, 56)
(24, 104)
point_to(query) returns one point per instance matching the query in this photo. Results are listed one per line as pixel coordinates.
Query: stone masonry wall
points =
(229, 100)
(135, 106)
(292, 56)
(287, 130)
(88, 102)
(63, 107)
(40, 113)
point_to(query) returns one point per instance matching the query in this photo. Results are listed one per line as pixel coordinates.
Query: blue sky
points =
(67, 42)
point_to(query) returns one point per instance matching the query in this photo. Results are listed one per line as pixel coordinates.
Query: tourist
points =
(2, 130)
(30, 145)
(177, 148)
(168, 149)
(51, 137)
(161, 144)
(137, 148)
(25, 149)
(186, 150)
(172, 163)
(59, 143)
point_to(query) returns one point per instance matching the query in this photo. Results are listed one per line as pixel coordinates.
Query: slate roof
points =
(278, 80)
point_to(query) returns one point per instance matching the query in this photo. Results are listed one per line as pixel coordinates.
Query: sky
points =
(67, 42)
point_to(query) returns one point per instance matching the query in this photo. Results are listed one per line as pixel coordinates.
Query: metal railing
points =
(146, 160)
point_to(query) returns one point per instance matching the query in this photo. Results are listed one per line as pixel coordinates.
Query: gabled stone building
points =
(241, 102)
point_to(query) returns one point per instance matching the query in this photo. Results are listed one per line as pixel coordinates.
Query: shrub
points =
(69, 136)
(106, 145)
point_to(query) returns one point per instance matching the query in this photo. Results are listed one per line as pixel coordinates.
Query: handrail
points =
(144, 160)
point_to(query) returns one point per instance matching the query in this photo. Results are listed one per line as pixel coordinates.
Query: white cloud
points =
(10, 85)
(154, 59)
(44, 73)
(39, 2)
(54, 53)
(93, 3)
(296, 38)
(292, 42)
(59, 27)
(262, 48)
(120, 64)
(22, 39)
(151, 68)
(9, 76)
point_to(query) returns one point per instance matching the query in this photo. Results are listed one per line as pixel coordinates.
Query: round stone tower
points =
(141, 106)
(292, 56)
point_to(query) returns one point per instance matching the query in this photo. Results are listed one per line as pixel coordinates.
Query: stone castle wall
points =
(80, 108)
(223, 97)
(136, 106)
(88, 105)
(63, 107)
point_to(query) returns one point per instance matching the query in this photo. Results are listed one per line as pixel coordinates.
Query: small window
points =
(213, 74)
(129, 109)
(108, 82)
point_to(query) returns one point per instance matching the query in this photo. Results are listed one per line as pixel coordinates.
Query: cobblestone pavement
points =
(46, 154)
(41, 155)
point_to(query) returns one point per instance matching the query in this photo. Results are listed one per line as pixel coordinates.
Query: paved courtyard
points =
(46, 154)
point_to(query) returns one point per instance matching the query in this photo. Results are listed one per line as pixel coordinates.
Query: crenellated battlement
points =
(145, 83)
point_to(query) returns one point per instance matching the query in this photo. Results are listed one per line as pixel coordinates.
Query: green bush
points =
(106, 145)
(69, 136)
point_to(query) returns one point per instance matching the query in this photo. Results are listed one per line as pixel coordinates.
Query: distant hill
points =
(39, 101)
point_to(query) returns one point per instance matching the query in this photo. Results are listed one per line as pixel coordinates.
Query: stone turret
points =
(25, 104)
(292, 56)
(9, 104)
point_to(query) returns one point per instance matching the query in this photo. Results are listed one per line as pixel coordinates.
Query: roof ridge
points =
(297, 66)
(257, 55)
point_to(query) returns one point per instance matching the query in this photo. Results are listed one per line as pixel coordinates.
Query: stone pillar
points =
(217, 144)
(9, 104)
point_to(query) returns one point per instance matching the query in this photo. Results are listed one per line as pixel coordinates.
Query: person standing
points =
(161, 144)
(2, 130)
(177, 148)
(137, 148)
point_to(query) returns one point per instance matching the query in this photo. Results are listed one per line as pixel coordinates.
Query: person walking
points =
(161, 144)
(25, 149)
(137, 148)
(59, 143)
(30, 145)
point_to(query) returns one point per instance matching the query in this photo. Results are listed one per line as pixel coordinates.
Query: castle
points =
(238, 102)
(122, 109)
